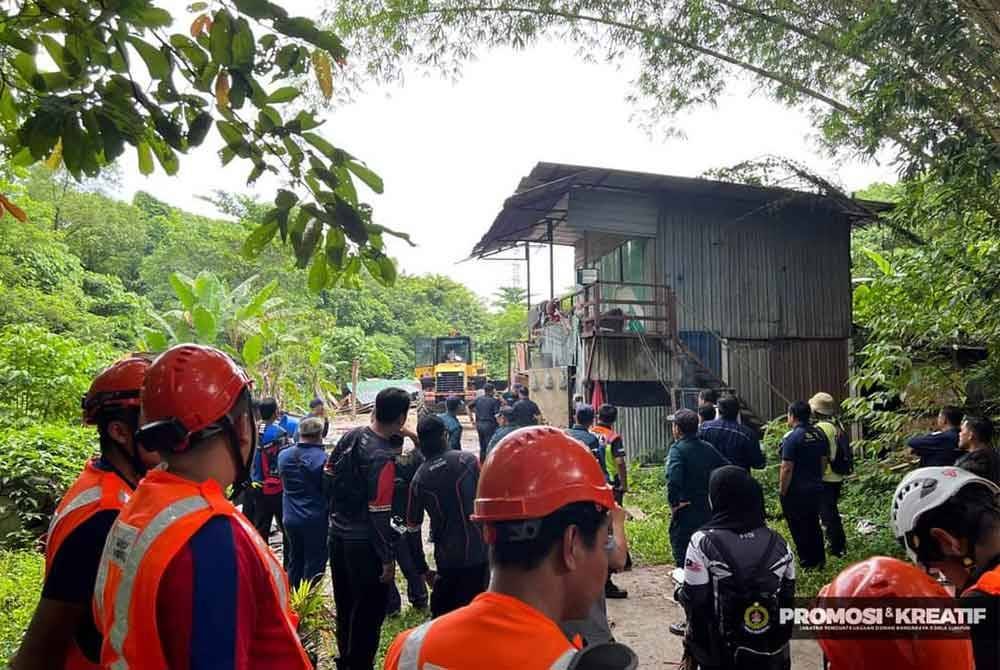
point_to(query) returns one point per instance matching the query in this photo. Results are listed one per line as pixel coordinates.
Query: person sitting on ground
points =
(736, 442)
(731, 561)
(450, 419)
(939, 448)
(543, 504)
(948, 520)
(526, 411)
(445, 487)
(980, 458)
(884, 579)
(581, 431)
(506, 426)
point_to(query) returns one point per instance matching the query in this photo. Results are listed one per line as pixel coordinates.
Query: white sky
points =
(450, 153)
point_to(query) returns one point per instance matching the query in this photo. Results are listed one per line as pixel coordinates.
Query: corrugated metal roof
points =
(540, 200)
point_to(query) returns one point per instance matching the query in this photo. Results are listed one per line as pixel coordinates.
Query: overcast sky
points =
(450, 153)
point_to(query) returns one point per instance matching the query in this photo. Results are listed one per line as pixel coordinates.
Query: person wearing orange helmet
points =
(543, 502)
(62, 632)
(185, 581)
(884, 578)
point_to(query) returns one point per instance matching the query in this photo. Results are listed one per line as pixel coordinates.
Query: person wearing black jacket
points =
(939, 448)
(735, 542)
(980, 458)
(445, 487)
(484, 411)
(361, 475)
(732, 439)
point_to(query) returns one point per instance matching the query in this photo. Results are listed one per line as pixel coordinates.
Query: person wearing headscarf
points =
(733, 556)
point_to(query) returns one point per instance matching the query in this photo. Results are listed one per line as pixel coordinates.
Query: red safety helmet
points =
(881, 577)
(189, 388)
(116, 387)
(535, 471)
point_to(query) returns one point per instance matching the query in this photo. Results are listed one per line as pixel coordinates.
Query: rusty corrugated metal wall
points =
(796, 369)
(749, 273)
(643, 429)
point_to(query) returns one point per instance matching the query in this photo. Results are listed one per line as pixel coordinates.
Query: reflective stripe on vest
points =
(409, 656)
(123, 597)
(85, 497)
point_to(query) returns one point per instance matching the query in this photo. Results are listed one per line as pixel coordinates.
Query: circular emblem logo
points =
(756, 618)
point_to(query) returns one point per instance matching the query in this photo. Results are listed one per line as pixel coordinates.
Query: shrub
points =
(20, 588)
(44, 375)
(37, 464)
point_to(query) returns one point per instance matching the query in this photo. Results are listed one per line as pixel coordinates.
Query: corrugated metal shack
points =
(695, 283)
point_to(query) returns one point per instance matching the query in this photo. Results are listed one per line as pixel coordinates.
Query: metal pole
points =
(552, 265)
(527, 259)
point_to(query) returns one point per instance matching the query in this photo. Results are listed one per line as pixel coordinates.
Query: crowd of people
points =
(150, 564)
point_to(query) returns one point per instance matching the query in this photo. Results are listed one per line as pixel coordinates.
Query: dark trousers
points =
(457, 587)
(485, 431)
(307, 551)
(416, 588)
(360, 598)
(829, 514)
(266, 508)
(802, 514)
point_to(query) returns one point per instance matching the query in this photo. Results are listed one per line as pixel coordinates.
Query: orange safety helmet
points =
(189, 388)
(881, 577)
(535, 471)
(116, 387)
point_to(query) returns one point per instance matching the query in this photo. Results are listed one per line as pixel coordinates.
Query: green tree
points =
(122, 78)
(210, 313)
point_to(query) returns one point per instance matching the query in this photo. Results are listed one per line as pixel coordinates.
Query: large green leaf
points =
(260, 9)
(243, 45)
(155, 340)
(254, 308)
(252, 350)
(879, 260)
(155, 60)
(318, 273)
(284, 94)
(183, 290)
(145, 158)
(372, 180)
(220, 41)
(259, 238)
(204, 324)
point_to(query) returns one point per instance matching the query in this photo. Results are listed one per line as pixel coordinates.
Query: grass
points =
(410, 618)
(20, 587)
(865, 496)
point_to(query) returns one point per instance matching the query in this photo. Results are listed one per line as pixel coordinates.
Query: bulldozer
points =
(445, 367)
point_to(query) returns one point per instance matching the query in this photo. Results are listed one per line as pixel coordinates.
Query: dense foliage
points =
(20, 587)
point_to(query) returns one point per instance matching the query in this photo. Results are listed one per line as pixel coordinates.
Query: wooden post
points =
(355, 370)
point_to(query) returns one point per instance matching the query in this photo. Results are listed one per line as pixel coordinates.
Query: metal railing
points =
(626, 308)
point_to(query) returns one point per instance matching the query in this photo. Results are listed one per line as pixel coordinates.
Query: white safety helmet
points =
(923, 490)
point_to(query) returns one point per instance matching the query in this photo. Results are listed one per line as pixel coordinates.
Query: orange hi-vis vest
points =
(989, 582)
(494, 632)
(95, 490)
(163, 515)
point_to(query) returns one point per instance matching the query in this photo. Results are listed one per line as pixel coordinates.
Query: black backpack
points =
(344, 478)
(748, 612)
(843, 458)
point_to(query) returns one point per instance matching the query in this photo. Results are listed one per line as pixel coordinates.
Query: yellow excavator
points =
(444, 367)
